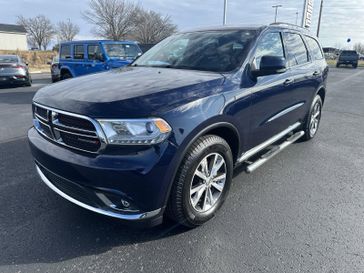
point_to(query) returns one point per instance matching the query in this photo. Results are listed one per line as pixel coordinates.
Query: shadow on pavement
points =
(44, 228)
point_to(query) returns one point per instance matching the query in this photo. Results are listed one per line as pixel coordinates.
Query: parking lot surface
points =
(301, 212)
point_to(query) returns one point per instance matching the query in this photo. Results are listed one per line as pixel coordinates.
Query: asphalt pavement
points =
(301, 212)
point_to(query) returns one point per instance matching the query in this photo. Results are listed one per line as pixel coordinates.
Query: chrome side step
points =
(273, 152)
(268, 142)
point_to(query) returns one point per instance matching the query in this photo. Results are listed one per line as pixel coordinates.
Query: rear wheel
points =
(355, 65)
(202, 182)
(66, 75)
(29, 82)
(313, 119)
(337, 65)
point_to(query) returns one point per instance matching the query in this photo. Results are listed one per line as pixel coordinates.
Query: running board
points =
(268, 142)
(273, 152)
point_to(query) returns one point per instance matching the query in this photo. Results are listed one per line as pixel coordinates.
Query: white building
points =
(13, 37)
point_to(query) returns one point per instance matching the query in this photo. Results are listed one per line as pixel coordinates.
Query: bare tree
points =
(40, 30)
(359, 47)
(66, 31)
(152, 27)
(113, 19)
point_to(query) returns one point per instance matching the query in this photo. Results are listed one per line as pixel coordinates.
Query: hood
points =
(117, 63)
(130, 92)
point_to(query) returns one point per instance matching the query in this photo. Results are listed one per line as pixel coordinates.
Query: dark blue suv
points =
(163, 135)
(80, 58)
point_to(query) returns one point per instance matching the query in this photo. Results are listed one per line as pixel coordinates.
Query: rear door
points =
(305, 72)
(79, 65)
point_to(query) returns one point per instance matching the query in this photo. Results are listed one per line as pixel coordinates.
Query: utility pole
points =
(320, 16)
(225, 12)
(276, 7)
(296, 18)
(304, 13)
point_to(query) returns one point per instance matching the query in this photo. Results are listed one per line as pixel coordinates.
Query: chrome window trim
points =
(99, 132)
(128, 217)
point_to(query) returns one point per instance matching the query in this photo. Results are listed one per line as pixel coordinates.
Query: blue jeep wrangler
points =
(87, 57)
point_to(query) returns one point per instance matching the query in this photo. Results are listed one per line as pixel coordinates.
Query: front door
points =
(271, 95)
(94, 63)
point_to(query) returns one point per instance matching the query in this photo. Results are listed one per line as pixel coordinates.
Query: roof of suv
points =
(253, 27)
(98, 41)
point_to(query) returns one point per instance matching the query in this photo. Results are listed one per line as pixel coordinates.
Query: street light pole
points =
(320, 16)
(225, 12)
(276, 13)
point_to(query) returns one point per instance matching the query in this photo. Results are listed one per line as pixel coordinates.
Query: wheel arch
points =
(66, 69)
(220, 128)
(322, 93)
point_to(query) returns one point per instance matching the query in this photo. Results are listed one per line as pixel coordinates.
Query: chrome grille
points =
(68, 129)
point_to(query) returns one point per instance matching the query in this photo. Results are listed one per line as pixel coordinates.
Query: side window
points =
(271, 45)
(315, 48)
(297, 52)
(65, 52)
(78, 52)
(93, 51)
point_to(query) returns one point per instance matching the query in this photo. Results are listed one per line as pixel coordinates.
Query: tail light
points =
(18, 66)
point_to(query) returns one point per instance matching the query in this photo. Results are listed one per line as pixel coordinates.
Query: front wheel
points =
(313, 119)
(202, 182)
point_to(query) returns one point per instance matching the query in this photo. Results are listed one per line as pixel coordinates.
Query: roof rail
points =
(288, 25)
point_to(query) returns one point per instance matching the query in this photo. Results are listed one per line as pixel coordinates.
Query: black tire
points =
(66, 75)
(180, 207)
(337, 65)
(355, 65)
(29, 82)
(309, 132)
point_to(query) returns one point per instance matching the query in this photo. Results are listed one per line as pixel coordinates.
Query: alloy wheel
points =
(315, 119)
(208, 182)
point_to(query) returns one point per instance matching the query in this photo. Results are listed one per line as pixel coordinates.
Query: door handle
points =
(316, 73)
(288, 81)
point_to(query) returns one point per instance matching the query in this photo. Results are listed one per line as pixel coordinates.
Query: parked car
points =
(87, 57)
(163, 135)
(348, 57)
(14, 71)
(55, 71)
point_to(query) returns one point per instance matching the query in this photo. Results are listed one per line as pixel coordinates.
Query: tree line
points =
(110, 19)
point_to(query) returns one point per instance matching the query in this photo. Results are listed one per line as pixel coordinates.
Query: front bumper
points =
(98, 182)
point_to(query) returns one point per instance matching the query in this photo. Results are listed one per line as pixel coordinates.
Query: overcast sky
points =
(342, 19)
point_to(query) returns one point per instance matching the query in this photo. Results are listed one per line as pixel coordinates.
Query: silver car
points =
(13, 71)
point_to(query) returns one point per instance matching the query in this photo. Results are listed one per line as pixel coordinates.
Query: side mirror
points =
(49, 63)
(271, 65)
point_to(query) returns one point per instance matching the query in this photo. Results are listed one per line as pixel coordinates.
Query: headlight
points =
(135, 131)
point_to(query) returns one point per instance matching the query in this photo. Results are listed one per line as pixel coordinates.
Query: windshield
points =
(217, 51)
(122, 51)
(8, 59)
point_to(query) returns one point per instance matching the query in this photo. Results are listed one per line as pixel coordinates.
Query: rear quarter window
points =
(315, 48)
(65, 52)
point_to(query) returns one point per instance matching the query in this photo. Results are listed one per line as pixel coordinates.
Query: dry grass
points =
(37, 60)
(333, 63)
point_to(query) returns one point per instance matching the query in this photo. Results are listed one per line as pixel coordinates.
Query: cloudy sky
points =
(342, 19)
